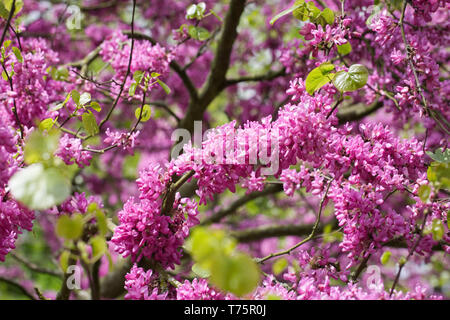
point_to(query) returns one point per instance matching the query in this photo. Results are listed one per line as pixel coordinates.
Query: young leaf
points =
(146, 113)
(70, 228)
(279, 265)
(40, 188)
(440, 155)
(17, 53)
(437, 229)
(132, 89)
(385, 257)
(424, 192)
(138, 76)
(90, 123)
(328, 16)
(164, 86)
(64, 260)
(96, 106)
(354, 79)
(345, 48)
(319, 77)
(46, 124)
(84, 98)
(75, 96)
(99, 247)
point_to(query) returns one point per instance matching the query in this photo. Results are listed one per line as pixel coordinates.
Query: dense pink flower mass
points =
(294, 153)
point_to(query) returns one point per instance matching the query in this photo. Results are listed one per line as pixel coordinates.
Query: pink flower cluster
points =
(144, 231)
(198, 289)
(123, 140)
(71, 151)
(146, 57)
(139, 285)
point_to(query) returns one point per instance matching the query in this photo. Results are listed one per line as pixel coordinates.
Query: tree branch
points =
(240, 202)
(216, 80)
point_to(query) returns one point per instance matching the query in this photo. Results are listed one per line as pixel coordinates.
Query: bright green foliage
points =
(143, 113)
(319, 77)
(385, 257)
(351, 80)
(6, 6)
(437, 229)
(440, 155)
(279, 265)
(90, 123)
(424, 192)
(40, 188)
(70, 228)
(46, 182)
(304, 11)
(229, 269)
(344, 49)
(439, 175)
(198, 33)
(196, 11)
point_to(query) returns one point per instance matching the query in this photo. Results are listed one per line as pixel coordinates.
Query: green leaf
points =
(279, 265)
(102, 222)
(199, 271)
(99, 247)
(138, 76)
(75, 96)
(198, 33)
(84, 98)
(448, 219)
(354, 79)
(229, 270)
(424, 192)
(319, 77)
(440, 155)
(143, 114)
(70, 228)
(17, 53)
(437, 229)
(130, 166)
(439, 174)
(39, 147)
(132, 89)
(328, 15)
(6, 6)
(96, 106)
(385, 257)
(4, 75)
(64, 260)
(46, 124)
(6, 44)
(90, 123)
(196, 11)
(237, 274)
(164, 86)
(345, 48)
(40, 188)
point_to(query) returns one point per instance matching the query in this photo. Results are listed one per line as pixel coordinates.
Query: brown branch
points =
(126, 75)
(216, 79)
(357, 112)
(308, 238)
(18, 286)
(34, 267)
(240, 202)
(259, 233)
(262, 77)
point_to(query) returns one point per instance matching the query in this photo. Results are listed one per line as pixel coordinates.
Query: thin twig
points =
(308, 238)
